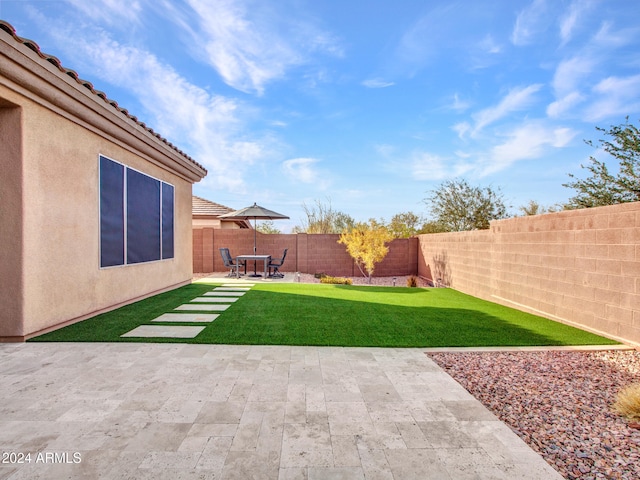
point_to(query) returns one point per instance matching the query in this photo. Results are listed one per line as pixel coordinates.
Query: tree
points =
(457, 206)
(602, 187)
(405, 225)
(433, 227)
(322, 218)
(367, 245)
(267, 227)
(534, 208)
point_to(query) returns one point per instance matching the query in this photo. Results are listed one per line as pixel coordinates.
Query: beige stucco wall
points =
(60, 242)
(199, 222)
(53, 131)
(11, 285)
(580, 267)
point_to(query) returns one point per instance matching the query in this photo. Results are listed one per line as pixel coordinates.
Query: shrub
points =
(319, 275)
(628, 402)
(412, 281)
(336, 280)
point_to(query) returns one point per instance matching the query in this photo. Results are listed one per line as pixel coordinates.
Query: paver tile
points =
(215, 299)
(202, 307)
(186, 317)
(223, 294)
(164, 331)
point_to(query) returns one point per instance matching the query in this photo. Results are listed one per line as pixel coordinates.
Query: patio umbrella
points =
(256, 212)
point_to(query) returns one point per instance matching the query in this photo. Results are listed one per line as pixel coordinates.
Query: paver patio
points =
(274, 412)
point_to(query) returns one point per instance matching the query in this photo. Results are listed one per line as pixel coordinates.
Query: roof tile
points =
(202, 206)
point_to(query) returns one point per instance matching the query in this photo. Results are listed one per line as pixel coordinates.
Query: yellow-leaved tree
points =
(367, 245)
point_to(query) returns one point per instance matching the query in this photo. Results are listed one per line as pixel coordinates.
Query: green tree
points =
(602, 187)
(534, 208)
(267, 227)
(433, 227)
(367, 245)
(322, 218)
(457, 206)
(405, 225)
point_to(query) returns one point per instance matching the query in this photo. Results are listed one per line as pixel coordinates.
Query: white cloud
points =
(568, 79)
(517, 99)
(459, 105)
(564, 104)
(528, 23)
(570, 73)
(426, 38)
(462, 129)
(384, 149)
(250, 46)
(528, 141)
(110, 11)
(608, 38)
(489, 45)
(616, 96)
(208, 127)
(304, 170)
(377, 83)
(569, 21)
(428, 166)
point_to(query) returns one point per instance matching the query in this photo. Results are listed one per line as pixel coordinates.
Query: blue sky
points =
(371, 104)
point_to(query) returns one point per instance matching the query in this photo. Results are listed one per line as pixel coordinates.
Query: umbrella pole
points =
(255, 249)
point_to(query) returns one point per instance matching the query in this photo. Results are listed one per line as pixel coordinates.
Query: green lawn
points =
(315, 314)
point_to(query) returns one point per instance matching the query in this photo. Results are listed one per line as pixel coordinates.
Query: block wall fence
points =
(579, 267)
(308, 253)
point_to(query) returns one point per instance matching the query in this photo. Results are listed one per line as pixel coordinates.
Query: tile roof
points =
(7, 27)
(202, 206)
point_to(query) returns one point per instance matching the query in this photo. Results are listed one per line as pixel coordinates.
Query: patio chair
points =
(276, 263)
(231, 263)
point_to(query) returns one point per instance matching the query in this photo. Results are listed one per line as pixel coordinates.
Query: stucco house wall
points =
(54, 129)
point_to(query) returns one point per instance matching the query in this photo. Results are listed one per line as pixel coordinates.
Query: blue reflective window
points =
(167, 220)
(111, 213)
(136, 216)
(143, 217)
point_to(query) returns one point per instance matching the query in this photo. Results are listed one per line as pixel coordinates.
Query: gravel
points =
(559, 403)
(400, 280)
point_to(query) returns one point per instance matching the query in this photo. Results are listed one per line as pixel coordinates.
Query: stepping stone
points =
(203, 307)
(231, 289)
(163, 331)
(214, 299)
(238, 284)
(224, 294)
(187, 317)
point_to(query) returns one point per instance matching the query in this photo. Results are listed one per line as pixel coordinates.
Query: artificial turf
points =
(338, 315)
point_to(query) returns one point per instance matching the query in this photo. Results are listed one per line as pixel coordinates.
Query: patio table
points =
(265, 258)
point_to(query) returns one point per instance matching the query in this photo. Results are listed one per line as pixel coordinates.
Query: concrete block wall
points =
(580, 267)
(402, 259)
(306, 253)
(326, 255)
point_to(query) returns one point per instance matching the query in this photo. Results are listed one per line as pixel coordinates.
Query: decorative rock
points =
(560, 404)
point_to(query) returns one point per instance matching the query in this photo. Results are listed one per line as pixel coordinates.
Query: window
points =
(136, 216)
